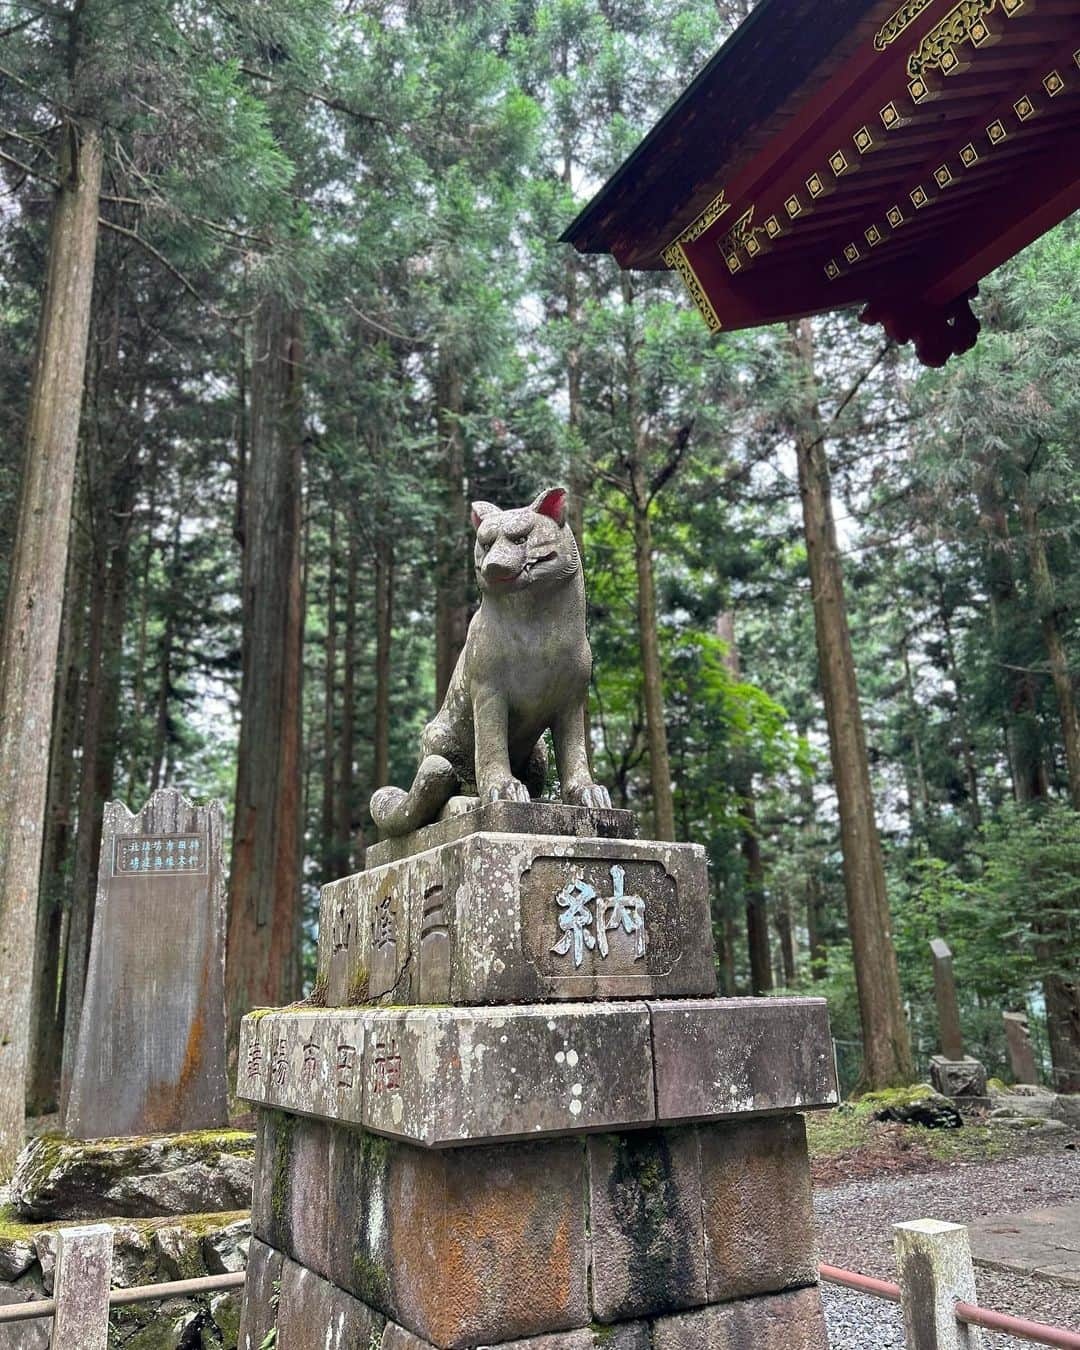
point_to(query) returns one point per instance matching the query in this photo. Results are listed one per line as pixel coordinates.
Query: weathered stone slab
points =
(759, 1222)
(948, 1009)
(736, 1057)
(314, 1314)
(958, 1077)
(582, 822)
(645, 1207)
(1021, 1051)
(58, 1178)
(442, 1076)
(1040, 1243)
(514, 918)
(151, 1048)
(309, 1061)
(81, 1287)
(258, 1316)
(446, 1076)
(791, 1321)
(461, 1247)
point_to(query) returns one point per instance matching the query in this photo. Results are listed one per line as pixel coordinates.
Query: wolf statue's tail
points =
(396, 812)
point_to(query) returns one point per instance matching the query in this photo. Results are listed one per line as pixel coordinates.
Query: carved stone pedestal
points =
(561, 1141)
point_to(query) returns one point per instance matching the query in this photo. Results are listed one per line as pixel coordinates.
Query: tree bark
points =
(47, 1023)
(384, 624)
(886, 1042)
(653, 680)
(1048, 611)
(264, 890)
(331, 855)
(346, 787)
(787, 941)
(757, 914)
(35, 601)
(98, 762)
(451, 549)
(962, 726)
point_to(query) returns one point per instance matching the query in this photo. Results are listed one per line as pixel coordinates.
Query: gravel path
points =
(854, 1232)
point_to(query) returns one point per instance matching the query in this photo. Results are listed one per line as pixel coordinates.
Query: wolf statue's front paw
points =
(509, 790)
(589, 794)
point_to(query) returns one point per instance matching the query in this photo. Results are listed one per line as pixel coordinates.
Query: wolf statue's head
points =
(529, 548)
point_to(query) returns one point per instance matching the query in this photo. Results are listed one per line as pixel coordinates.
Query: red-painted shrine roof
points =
(854, 152)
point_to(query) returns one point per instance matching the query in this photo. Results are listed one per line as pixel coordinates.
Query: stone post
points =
(1021, 1052)
(151, 1048)
(952, 1072)
(935, 1269)
(952, 1040)
(81, 1287)
(519, 1115)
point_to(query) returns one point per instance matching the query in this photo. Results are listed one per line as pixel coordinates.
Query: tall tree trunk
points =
(757, 914)
(47, 1023)
(916, 736)
(962, 725)
(346, 788)
(384, 624)
(653, 680)
(159, 745)
(1047, 608)
(98, 763)
(331, 859)
(886, 1042)
(451, 572)
(35, 601)
(1062, 992)
(785, 929)
(264, 885)
(819, 967)
(1023, 737)
(138, 691)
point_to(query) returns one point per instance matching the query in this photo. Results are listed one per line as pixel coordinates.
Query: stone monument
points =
(953, 1073)
(151, 1049)
(1021, 1051)
(514, 1113)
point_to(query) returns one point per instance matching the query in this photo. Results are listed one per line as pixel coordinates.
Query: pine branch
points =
(173, 271)
(327, 100)
(28, 171)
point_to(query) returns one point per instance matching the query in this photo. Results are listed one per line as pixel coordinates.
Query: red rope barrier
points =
(1039, 1332)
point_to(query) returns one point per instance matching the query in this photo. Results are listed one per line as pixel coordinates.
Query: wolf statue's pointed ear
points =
(480, 510)
(551, 502)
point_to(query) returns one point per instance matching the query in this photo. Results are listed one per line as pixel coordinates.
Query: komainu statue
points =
(524, 670)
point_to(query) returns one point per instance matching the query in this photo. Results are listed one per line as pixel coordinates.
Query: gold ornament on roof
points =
(899, 22)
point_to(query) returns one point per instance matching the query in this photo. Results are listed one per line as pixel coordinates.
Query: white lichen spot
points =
(560, 1057)
(575, 1107)
(551, 1026)
(576, 1089)
(572, 1058)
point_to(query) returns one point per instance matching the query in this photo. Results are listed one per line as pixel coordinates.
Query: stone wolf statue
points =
(524, 670)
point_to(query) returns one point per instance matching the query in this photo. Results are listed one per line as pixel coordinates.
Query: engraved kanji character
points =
(279, 1061)
(309, 1070)
(345, 1065)
(387, 1066)
(576, 921)
(627, 910)
(254, 1059)
(383, 923)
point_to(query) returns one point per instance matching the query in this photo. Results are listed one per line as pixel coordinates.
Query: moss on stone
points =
(897, 1096)
(371, 1280)
(359, 986)
(282, 1126)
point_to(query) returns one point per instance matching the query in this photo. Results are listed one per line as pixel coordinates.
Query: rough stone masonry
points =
(515, 1114)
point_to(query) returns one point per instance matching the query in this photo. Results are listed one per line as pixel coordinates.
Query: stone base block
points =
(520, 918)
(958, 1077)
(446, 1076)
(492, 1245)
(311, 1313)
